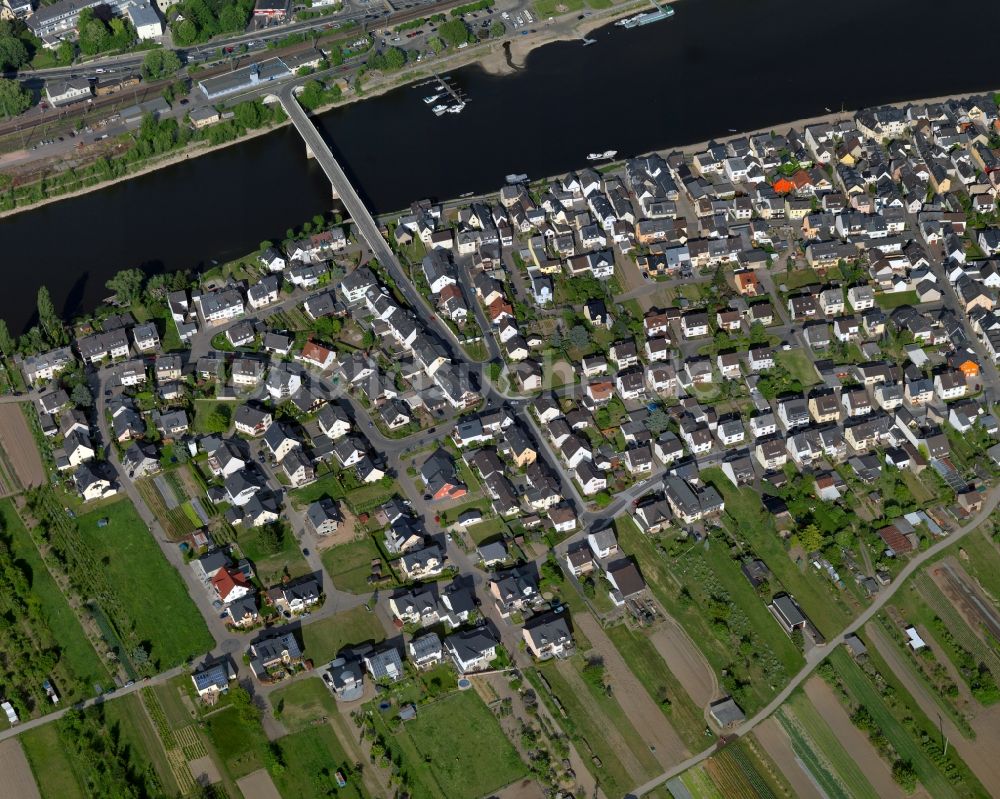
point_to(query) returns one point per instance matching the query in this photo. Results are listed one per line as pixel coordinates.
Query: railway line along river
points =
(715, 66)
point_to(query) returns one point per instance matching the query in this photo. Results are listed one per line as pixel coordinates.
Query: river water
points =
(716, 65)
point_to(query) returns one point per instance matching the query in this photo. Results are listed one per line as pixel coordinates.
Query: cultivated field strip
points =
(956, 623)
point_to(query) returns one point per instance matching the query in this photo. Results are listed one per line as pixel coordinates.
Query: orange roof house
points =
(230, 585)
(783, 185)
(969, 368)
(747, 283)
(318, 355)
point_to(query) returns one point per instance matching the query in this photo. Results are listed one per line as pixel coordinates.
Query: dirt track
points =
(774, 741)
(686, 662)
(19, 446)
(639, 707)
(18, 782)
(258, 785)
(875, 769)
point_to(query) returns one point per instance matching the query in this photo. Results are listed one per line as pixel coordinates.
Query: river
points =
(716, 65)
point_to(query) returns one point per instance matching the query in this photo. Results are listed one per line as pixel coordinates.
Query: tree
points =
(454, 32)
(65, 53)
(578, 337)
(218, 419)
(13, 53)
(657, 421)
(81, 396)
(14, 98)
(160, 64)
(93, 35)
(127, 285)
(497, 30)
(6, 340)
(52, 325)
(271, 538)
(811, 538)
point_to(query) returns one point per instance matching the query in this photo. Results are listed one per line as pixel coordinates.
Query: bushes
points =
(977, 674)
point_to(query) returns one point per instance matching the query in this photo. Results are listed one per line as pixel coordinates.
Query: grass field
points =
(651, 670)
(887, 301)
(755, 649)
(303, 703)
(863, 693)
(350, 564)
(798, 365)
(324, 639)
(239, 744)
(53, 770)
(271, 566)
(83, 666)
(817, 596)
(127, 719)
(203, 410)
(151, 590)
(798, 278)
(311, 758)
(821, 739)
(983, 562)
(453, 733)
(549, 8)
(361, 499)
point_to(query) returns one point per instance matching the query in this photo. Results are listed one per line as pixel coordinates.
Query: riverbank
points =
(490, 55)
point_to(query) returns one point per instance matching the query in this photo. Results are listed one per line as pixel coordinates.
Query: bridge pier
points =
(309, 152)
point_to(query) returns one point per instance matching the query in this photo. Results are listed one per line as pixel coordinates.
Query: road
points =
(818, 654)
(55, 715)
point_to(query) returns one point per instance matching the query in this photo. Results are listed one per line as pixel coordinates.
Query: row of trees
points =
(100, 31)
(200, 20)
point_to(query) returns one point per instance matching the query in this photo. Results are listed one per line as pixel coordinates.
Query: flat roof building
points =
(246, 78)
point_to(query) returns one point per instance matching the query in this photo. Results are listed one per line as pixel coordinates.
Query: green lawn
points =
(863, 693)
(798, 278)
(746, 520)
(51, 766)
(360, 499)
(752, 648)
(239, 744)
(80, 666)
(203, 410)
(270, 566)
(486, 529)
(326, 486)
(455, 732)
(324, 639)
(798, 365)
(888, 301)
(550, 8)
(152, 592)
(302, 703)
(651, 670)
(310, 760)
(350, 564)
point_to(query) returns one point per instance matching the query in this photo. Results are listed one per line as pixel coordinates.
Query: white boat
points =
(607, 155)
(431, 98)
(456, 109)
(439, 109)
(514, 179)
